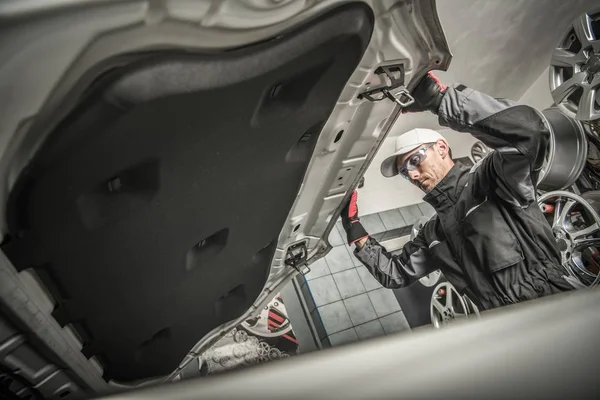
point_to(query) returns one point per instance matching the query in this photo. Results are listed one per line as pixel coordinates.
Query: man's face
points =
(430, 171)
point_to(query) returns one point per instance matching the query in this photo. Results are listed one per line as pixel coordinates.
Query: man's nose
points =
(414, 174)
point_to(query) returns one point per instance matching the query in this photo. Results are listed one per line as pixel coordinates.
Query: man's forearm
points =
(395, 271)
(361, 243)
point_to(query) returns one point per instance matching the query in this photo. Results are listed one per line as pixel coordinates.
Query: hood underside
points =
(161, 160)
(167, 185)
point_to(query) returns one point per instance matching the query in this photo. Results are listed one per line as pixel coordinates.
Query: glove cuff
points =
(355, 232)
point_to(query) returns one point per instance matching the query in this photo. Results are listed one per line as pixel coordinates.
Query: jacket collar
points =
(446, 193)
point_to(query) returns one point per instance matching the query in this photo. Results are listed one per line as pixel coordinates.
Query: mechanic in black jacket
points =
(489, 237)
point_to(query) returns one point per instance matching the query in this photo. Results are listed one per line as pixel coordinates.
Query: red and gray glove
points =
(427, 94)
(351, 222)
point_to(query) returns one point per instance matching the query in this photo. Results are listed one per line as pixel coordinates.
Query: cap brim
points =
(388, 167)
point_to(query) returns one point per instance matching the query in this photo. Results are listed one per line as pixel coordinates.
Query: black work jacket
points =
(489, 237)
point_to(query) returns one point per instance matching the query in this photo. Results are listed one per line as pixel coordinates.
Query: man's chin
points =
(424, 186)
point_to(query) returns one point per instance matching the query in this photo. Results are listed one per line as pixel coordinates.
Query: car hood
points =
(162, 160)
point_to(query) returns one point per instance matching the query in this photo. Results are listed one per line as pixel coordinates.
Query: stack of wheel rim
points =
(575, 224)
(575, 86)
(575, 68)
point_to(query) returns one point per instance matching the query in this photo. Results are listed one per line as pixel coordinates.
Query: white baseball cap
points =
(406, 143)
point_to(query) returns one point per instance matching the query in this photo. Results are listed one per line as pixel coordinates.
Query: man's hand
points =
(351, 223)
(427, 94)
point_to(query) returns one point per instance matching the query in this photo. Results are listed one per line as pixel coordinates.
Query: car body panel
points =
(74, 38)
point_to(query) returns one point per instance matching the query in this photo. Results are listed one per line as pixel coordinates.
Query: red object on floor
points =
(290, 338)
(547, 208)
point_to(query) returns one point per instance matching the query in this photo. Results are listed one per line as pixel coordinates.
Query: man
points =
(489, 237)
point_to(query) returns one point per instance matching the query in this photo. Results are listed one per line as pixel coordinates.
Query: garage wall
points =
(538, 95)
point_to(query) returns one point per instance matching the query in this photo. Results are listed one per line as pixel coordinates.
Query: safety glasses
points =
(414, 161)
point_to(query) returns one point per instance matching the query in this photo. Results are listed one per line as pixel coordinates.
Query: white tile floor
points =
(318, 269)
(360, 309)
(324, 290)
(411, 214)
(349, 301)
(395, 322)
(372, 223)
(392, 219)
(343, 337)
(335, 318)
(370, 330)
(348, 283)
(384, 301)
(339, 259)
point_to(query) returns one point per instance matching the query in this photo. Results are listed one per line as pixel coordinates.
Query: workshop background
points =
(500, 48)
(160, 204)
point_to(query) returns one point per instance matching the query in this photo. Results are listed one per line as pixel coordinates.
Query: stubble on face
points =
(432, 175)
(431, 171)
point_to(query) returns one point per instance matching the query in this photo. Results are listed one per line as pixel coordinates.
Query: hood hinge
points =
(296, 257)
(393, 87)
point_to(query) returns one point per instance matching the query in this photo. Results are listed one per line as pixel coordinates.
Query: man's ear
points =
(443, 148)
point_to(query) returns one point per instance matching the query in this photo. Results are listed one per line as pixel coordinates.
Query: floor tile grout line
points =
(343, 330)
(326, 263)
(392, 313)
(372, 305)
(331, 302)
(343, 302)
(338, 288)
(339, 272)
(376, 317)
(322, 324)
(366, 322)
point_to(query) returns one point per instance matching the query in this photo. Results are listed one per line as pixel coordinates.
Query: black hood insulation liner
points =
(153, 211)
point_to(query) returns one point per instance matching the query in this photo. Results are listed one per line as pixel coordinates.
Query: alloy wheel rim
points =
(575, 69)
(572, 240)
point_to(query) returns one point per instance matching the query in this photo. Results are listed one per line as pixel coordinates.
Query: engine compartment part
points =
(26, 374)
(109, 206)
(575, 69)
(575, 222)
